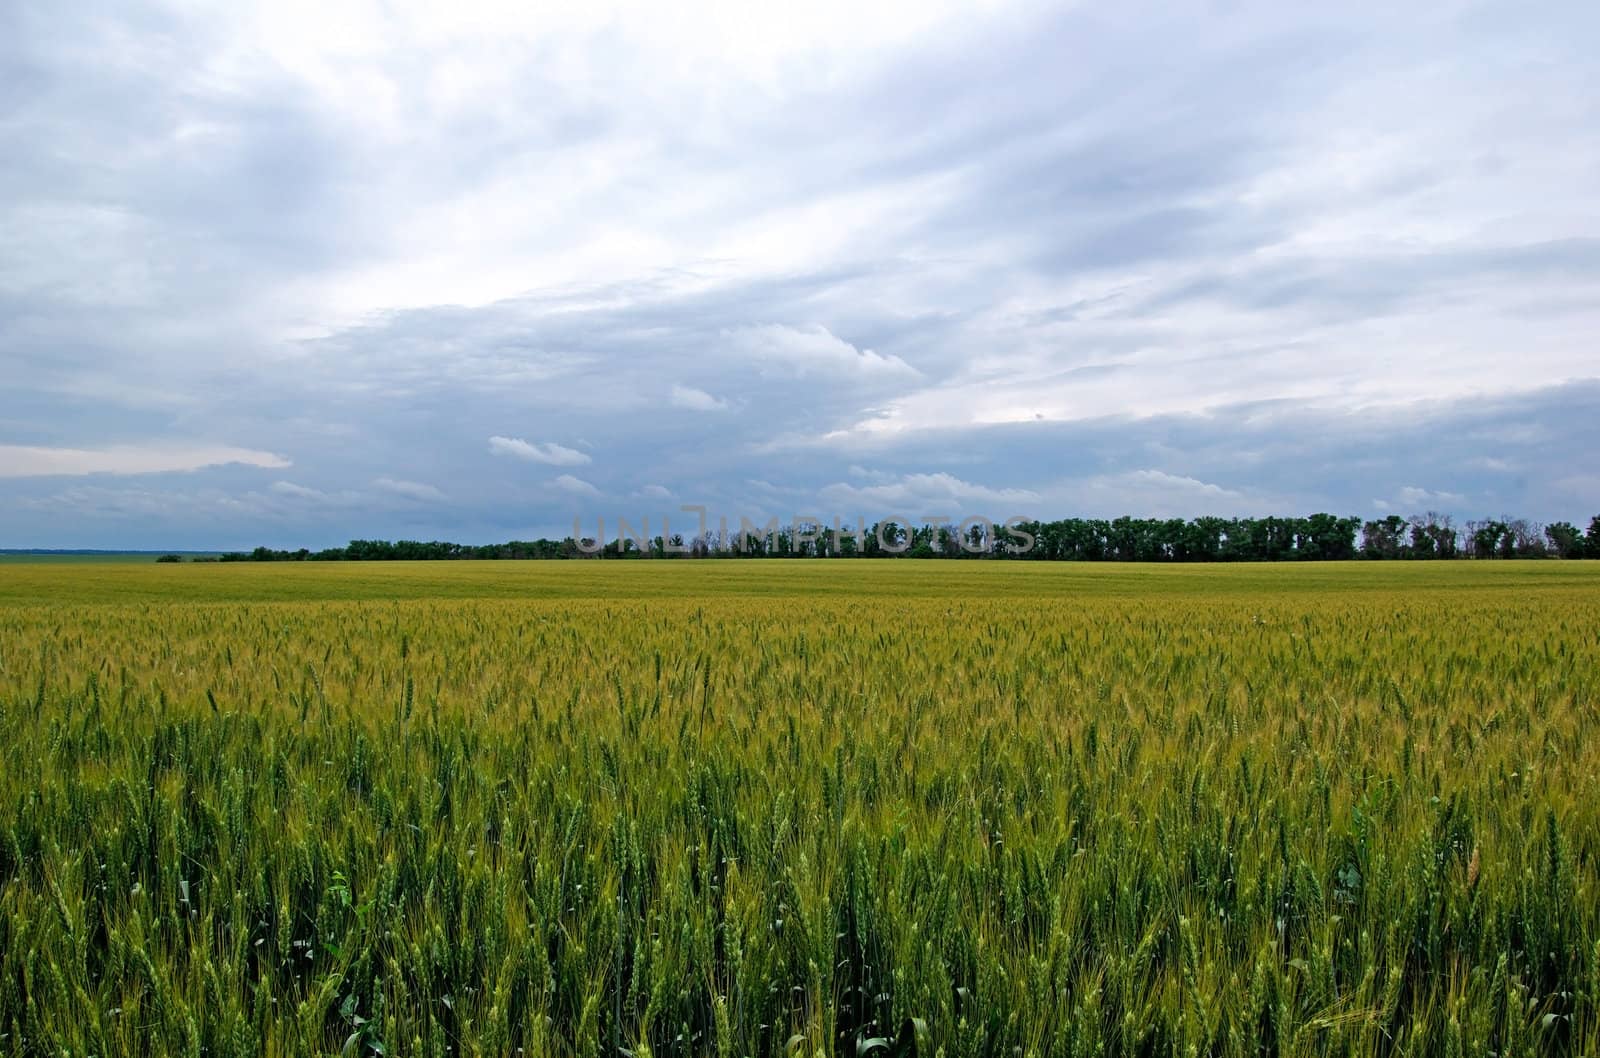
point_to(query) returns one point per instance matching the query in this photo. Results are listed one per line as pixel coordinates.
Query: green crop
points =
(800, 808)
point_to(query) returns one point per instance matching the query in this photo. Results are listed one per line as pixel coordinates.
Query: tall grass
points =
(1110, 824)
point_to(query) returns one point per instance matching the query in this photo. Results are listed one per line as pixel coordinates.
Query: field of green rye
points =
(800, 808)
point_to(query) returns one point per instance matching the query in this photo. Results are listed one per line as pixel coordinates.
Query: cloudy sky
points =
(306, 272)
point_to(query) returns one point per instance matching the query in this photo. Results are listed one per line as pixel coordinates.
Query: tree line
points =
(1316, 537)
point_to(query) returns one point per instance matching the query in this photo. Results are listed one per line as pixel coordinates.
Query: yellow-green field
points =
(769, 808)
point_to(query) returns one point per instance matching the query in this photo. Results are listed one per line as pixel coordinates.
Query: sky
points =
(296, 273)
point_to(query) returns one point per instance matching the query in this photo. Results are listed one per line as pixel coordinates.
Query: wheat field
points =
(800, 808)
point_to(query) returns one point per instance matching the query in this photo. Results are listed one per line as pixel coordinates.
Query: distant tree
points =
(1432, 536)
(1202, 539)
(1565, 540)
(1316, 537)
(1384, 537)
(1524, 539)
(977, 541)
(1422, 545)
(1327, 537)
(948, 541)
(885, 539)
(1489, 537)
(170, 558)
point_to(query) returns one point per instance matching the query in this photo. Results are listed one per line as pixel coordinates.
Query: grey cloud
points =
(692, 399)
(412, 490)
(548, 452)
(783, 349)
(576, 486)
(1103, 258)
(924, 490)
(20, 461)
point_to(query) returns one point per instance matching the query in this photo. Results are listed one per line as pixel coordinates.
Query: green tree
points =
(1565, 540)
(1490, 538)
(1384, 538)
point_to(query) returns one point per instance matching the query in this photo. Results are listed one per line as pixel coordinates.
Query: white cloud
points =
(20, 461)
(548, 453)
(765, 486)
(925, 490)
(413, 490)
(299, 492)
(655, 492)
(695, 399)
(1176, 483)
(1412, 496)
(1158, 493)
(814, 350)
(576, 486)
